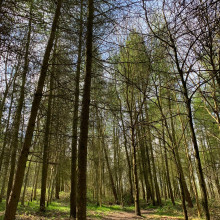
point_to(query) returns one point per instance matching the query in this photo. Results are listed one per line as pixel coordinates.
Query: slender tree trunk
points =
(16, 123)
(190, 165)
(34, 180)
(110, 173)
(127, 155)
(36, 183)
(183, 198)
(100, 173)
(115, 156)
(25, 183)
(4, 179)
(7, 128)
(146, 169)
(193, 134)
(159, 202)
(82, 153)
(150, 187)
(213, 162)
(16, 190)
(217, 184)
(46, 139)
(186, 191)
(135, 175)
(196, 149)
(50, 196)
(57, 190)
(168, 178)
(75, 122)
(7, 87)
(50, 185)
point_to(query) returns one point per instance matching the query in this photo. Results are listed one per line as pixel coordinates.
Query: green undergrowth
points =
(59, 209)
(167, 209)
(100, 211)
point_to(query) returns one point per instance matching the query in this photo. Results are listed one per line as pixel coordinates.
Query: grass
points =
(169, 210)
(105, 208)
(60, 210)
(100, 211)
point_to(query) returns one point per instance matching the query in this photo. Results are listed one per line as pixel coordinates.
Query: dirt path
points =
(146, 214)
(94, 215)
(126, 215)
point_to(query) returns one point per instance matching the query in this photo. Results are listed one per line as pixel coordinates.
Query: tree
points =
(84, 123)
(183, 71)
(75, 120)
(15, 194)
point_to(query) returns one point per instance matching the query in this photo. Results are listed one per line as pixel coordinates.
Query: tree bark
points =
(7, 128)
(57, 190)
(36, 183)
(46, 139)
(75, 122)
(146, 169)
(25, 183)
(167, 172)
(16, 123)
(175, 151)
(196, 149)
(4, 180)
(190, 165)
(82, 153)
(135, 175)
(159, 202)
(34, 180)
(110, 172)
(16, 190)
(127, 154)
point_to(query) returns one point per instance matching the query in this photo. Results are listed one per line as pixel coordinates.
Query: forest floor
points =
(60, 210)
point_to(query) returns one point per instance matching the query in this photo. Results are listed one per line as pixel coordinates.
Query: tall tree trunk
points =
(82, 153)
(127, 154)
(186, 191)
(16, 123)
(196, 149)
(183, 197)
(190, 164)
(5, 141)
(34, 180)
(4, 180)
(115, 165)
(57, 188)
(36, 184)
(213, 162)
(50, 185)
(7, 87)
(192, 130)
(75, 122)
(146, 169)
(25, 182)
(50, 196)
(172, 137)
(135, 175)
(46, 138)
(167, 170)
(100, 173)
(110, 172)
(16, 190)
(159, 202)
